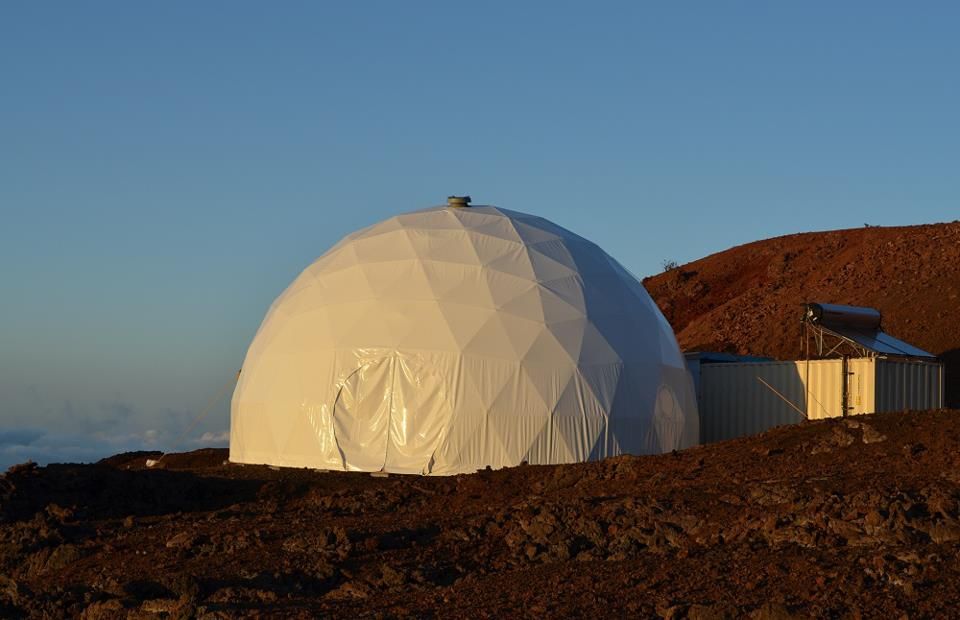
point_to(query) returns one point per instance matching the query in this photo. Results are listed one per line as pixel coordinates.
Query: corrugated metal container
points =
(738, 399)
(734, 402)
(696, 359)
(908, 385)
(820, 394)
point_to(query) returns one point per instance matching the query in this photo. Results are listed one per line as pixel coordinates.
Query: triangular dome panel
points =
(450, 339)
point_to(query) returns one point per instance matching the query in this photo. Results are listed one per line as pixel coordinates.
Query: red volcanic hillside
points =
(748, 299)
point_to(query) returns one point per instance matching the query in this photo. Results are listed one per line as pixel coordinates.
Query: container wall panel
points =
(823, 387)
(734, 402)
(903, 384)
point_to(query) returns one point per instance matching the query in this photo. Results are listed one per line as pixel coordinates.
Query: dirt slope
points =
(846, 519)
(748, 299)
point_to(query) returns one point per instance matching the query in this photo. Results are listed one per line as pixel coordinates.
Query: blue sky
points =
(166, 169)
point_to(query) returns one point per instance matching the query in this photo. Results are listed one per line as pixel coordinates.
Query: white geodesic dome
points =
(454, 338)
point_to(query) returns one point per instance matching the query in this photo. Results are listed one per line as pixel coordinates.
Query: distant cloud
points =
(51, 428)
(20, 445)
(31, 444)
(19, 437)
(221, 437)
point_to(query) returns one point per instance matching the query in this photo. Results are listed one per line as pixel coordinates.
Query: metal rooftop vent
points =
(844, 327)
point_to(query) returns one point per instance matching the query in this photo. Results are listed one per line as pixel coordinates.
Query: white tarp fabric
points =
(451, 339)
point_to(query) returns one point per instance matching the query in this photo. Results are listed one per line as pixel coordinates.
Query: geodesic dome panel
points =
(451, 339)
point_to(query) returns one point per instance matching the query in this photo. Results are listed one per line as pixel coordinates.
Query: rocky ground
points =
(856, 518)
(748, 299)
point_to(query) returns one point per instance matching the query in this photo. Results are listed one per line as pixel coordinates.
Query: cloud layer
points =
(32, 444)
(50, 427)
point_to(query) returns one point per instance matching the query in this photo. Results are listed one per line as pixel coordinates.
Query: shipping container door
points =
(860, 385)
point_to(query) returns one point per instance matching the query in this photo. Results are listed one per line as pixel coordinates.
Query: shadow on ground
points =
(100, 491)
